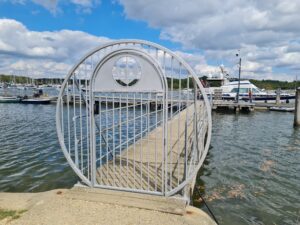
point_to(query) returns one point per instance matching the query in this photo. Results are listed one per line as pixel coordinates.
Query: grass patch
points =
(11, 214)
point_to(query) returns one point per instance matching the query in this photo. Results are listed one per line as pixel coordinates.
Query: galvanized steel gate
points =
(132, 115)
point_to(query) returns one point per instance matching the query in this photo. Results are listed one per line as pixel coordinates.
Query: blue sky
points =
(206, 34)
(106, 20)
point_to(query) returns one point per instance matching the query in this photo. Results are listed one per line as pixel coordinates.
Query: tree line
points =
(24, 80)
(262, 84)
(275, 84)
(177, 83)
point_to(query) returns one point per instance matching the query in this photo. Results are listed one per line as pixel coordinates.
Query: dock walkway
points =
(142, 167)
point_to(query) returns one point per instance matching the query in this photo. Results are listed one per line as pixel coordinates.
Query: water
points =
(28, 91)
(251, 175)
(30, 156)
(252, 172)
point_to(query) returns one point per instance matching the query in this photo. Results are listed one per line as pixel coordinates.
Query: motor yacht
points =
(230, 90)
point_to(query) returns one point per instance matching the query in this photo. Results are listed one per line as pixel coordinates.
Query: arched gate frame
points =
(132, 115)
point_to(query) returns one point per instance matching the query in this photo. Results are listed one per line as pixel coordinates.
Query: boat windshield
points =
(245, 90)
(242, 90)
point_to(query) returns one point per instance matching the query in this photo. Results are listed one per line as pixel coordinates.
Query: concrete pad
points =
(87, 206)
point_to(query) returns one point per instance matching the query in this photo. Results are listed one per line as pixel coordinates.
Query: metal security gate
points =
(132, 115)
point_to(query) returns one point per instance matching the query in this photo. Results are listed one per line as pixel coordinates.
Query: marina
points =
(141, 143)
(259, 185)
(217, 103)
(149, 112)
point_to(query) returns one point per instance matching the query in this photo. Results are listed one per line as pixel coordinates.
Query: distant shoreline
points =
(263, 84)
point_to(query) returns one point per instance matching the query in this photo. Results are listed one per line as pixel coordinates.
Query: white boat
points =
(282, 109)
(230, 89)
(6, 99)
(36, 101)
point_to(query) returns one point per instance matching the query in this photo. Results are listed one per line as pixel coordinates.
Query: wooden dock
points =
(141, 166)
(220, 105)
(232, 105)
(262, 105)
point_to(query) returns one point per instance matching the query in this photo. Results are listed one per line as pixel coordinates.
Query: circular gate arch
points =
(104, 139)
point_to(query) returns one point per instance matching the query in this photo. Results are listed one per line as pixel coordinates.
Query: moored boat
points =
(230, 90)
(282, 109)
(219, 86)
(37, 98)
(43, 101)
(5, 99)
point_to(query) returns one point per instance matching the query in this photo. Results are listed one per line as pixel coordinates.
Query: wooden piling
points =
(278, 96)
(297, 108)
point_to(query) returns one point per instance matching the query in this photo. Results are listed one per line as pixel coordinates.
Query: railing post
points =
(297, 108)
(185, 149)
(165, 142)
(195, 119)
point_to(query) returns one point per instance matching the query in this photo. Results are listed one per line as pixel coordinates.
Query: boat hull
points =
(282, 109)
(36, 101)
(266, 99)
(9, 100)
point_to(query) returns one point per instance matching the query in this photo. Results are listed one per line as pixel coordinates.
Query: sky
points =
(45, 38)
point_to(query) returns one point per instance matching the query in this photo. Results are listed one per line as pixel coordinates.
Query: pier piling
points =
(297, 108)
(278, 96)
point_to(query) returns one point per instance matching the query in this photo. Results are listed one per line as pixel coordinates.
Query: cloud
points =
(86, 3)
(50, 5)
(217, 24)
(52, 54)
(47, 52)
(265, 31)
(22, 2)
(17, 40)
(53, 6)
(85, 6)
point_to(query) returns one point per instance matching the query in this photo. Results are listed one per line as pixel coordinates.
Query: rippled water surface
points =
(251, 175)
(30, 156)
(252, 172)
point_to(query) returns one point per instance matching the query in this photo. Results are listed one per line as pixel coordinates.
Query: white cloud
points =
(50, 5)
(217, 24)
(85, 6)
(43, 52)
(47, 53)
(22, 2)
(205, 70)
(265, 31)
(85, 3)
(55, 52)
(82, 6)
(192, 58)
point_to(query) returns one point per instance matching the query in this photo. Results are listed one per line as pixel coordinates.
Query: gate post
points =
(92, 135)
(165, 140)
(297, 108)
